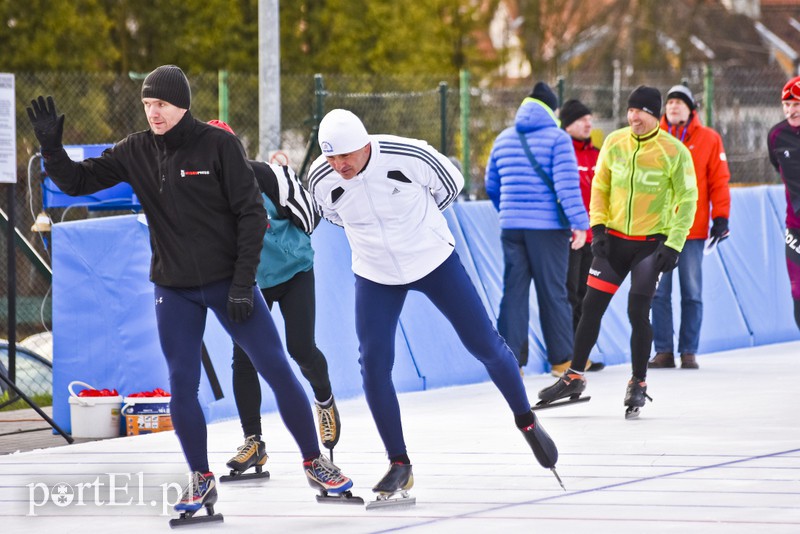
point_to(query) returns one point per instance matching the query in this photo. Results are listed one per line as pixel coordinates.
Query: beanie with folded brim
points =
(683, 93)
(168, 83)
(571, 111)
(648, 99)
(341, 132)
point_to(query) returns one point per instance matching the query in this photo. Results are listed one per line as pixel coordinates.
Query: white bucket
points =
(93, 417)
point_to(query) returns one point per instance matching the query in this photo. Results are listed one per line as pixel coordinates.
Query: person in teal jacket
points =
(285, 275)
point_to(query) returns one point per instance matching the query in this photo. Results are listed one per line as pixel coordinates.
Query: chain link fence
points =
(103, 108)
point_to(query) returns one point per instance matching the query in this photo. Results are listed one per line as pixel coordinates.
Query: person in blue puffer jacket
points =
(541, 212)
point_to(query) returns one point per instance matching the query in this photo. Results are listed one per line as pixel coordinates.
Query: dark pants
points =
(541, 256)
(579, 262)
(297, 302)
(449, 288)
(607, 274)
(181, 316)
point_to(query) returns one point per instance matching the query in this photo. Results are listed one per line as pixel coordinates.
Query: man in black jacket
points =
(206, 222)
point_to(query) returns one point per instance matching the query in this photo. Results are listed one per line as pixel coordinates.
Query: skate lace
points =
(327, 423)
(247, 450)
(325, 471)
(192, 490)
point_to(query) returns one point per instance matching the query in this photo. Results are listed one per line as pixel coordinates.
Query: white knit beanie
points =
(341, 132)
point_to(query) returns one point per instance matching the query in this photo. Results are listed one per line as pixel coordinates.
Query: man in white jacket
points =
(388, 193)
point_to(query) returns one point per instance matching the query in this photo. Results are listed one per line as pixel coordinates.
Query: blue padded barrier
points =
(754, 260)
(105, 331)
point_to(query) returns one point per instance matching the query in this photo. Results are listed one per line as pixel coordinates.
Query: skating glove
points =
(240, 303)
(666, 258)
(48, 126)
(600, 244)
(719, 230)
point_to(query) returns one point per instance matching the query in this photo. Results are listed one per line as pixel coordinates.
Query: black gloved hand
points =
(240, 303)
(666, 258)
(600, 244)
(47, 124)
(719, 230)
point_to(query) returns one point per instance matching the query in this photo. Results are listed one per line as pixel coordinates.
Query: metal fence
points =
(103, 108)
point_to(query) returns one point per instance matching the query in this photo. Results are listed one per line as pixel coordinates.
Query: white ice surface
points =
(718, 451)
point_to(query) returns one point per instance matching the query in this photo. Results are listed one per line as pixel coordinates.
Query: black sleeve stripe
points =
(299, 202)
(313, 179)
(404, 149)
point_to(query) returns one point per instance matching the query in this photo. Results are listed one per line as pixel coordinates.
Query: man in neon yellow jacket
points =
(644, 197)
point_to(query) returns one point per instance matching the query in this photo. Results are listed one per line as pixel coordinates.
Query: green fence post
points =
(464, 102)
(443, 116)
(708, 94)
(222, 82)
(319, 108)
(560, 84)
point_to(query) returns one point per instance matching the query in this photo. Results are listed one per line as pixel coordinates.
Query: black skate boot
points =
(397, 481)
(200, 493)
(329, 424)
(543, 446)
(635, 396)
(251, 454)
(569, 386)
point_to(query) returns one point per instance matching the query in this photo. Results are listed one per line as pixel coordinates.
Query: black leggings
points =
(606, 275)
(297, 302)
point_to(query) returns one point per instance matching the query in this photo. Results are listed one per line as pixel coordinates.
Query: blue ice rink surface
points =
(717, 451)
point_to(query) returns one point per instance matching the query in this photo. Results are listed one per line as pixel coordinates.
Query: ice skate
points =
(329, 424)
(635, 397)
(201, 492)
(543, 447)
(393, 488)
(569, 387)
(251, 454)
(333, 486)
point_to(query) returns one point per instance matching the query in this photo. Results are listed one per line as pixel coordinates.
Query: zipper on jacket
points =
(630, 194)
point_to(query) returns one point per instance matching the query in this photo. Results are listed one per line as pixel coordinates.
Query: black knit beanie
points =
(571, 111)
(541, 91)
(168, 83)
(647, 99)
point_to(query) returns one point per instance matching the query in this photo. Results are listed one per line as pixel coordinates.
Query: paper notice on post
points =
(8, 130)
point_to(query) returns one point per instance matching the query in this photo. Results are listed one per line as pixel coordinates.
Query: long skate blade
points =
(186, 520)
(543, 405)
(239, 477)
(632, 412)
(392, 502)
(553, 469)
(341, 498)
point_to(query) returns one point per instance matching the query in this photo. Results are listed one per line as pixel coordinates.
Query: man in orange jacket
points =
(711, 168)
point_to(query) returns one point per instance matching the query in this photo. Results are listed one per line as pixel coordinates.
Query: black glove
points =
(47, 124)
(719, 230)
(600, 244)
(240, 303)
(666, 258)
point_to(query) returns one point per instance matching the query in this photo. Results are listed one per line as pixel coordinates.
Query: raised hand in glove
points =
(719, 230)
(600, 244)
(240, 303)
(666, 258)
(47, 124)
